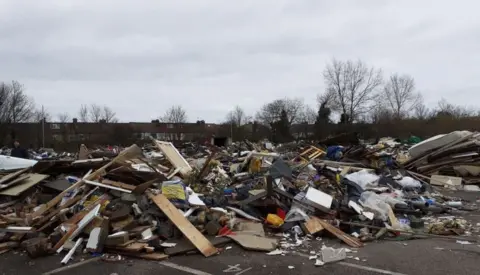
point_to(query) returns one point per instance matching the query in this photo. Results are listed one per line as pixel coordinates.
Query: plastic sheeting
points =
(12, 163)
(409, 182)
(378, 204)
(363, 178)
(375, 203)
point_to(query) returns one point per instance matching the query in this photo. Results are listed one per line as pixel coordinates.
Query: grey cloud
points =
(209, 55)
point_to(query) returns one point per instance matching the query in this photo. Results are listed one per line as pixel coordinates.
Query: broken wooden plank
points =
(13, 182)
(313, 225)
(18, 229)
(393, 220)
(46, 218)
(123, 224)
(14, 175)
(24, 185)
(118, 184)
(65, 237)
(85, 221)
(188, 230)
(102, 185)
(351, 241)
(205, 165)
(129, 152)
(140, 189)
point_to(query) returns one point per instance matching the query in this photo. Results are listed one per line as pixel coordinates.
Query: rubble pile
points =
(449, 159)
(160, 201)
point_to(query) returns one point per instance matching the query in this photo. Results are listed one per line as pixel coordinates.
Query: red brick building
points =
(65, 136)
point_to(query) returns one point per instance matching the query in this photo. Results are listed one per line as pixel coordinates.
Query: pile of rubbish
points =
(158, 202)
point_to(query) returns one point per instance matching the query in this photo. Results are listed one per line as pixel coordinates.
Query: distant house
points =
(72, 134)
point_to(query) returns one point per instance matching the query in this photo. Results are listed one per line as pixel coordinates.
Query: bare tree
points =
(15, 105)
(175, 114)
(271, 112)
(444, 108)
(400, 96)
(325, 99)
(95, 113)
(83, 113)
(308, 115)
(4, 103)
(108, 115)
(237, 117)
(379, 113)
(40, 114)
(421, 111)
(63, 117)
(352, 85)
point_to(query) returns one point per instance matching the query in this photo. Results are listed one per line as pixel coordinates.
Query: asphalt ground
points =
(422, 256)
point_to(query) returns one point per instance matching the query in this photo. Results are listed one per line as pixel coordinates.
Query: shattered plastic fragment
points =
(318, 262)
(276, 252)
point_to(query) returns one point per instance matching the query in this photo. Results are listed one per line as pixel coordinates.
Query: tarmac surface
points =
(422, 256)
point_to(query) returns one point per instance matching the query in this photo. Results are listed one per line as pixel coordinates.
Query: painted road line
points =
(72, 266)
(373, 269)
(243, 271)
(184, 268)
(367, 268)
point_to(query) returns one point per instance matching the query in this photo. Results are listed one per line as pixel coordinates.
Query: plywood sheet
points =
(445, 180)
(59, 185)
(175, 158)
(252, 242)
(7, 178)
(16, 190)
(14, 182)
(188, 230)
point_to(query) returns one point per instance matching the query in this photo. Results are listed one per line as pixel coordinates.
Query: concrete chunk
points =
(117, 238)
(97, 238)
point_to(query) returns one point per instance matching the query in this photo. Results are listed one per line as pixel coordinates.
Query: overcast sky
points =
(140, 57)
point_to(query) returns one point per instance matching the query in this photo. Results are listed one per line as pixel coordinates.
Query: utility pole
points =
(43, 127)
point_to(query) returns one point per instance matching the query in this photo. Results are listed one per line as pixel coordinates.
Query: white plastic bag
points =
(375, 204)
(363, 178)
(409, 182)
